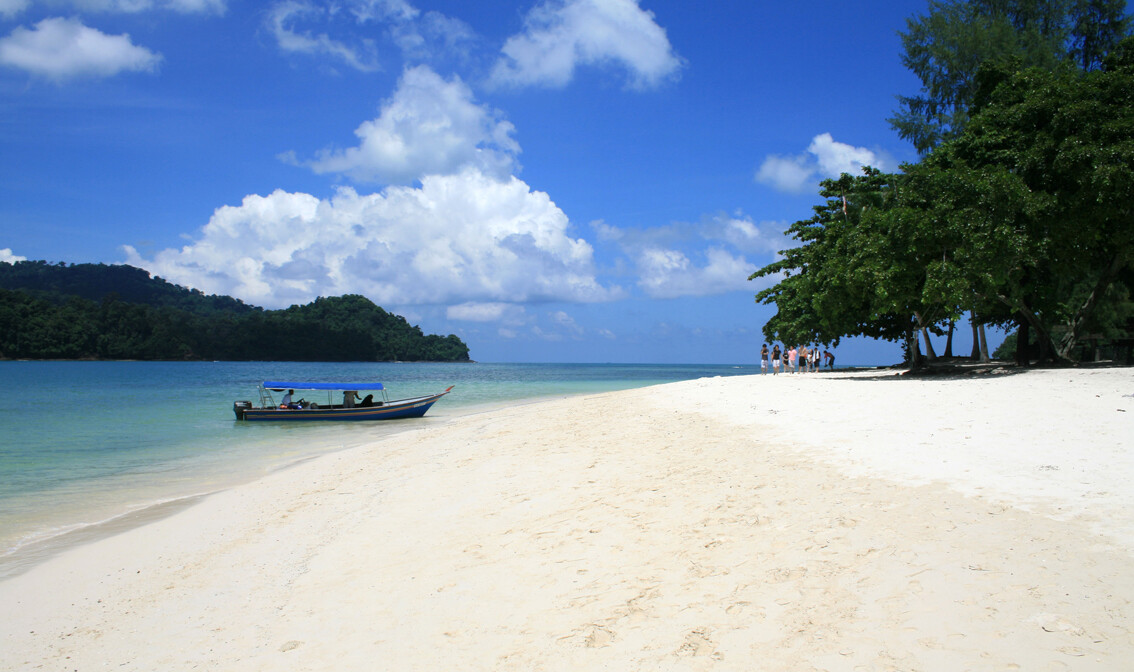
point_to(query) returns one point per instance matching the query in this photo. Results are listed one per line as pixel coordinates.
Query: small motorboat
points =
(350, 405)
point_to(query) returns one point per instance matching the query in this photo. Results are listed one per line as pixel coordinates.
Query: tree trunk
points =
(1043, 336)
(984, 358)
(929, 353)
(1022, 338)
(1047, 350)
(1069, 340)
(914, 349)
(948, 354)
(976, 337)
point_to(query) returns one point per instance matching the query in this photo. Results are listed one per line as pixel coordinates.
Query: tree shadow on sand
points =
(963, 368)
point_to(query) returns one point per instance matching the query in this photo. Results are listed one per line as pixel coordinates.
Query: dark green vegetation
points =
(1021, 212)
(95, 311)
(947, 46)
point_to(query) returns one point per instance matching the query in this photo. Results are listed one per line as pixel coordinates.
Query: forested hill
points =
(95, 311)
(97, 281)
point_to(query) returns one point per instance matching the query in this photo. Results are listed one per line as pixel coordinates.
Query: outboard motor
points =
(238, 407)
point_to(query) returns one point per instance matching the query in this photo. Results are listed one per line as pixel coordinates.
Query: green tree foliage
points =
(872, 262)
(1097, 27)
(840, 281)
(1061, 147)
(127, 283)
(947, 46)
(75, 312)
(1026, 217)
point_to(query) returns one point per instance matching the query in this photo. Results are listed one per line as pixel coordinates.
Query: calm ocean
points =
(88, 447)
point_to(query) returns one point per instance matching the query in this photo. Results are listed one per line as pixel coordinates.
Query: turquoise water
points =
(84, 444)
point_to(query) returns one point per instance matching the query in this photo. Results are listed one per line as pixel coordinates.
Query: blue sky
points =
(552, 180)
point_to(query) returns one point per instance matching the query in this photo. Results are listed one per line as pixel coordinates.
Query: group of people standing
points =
(795, 360)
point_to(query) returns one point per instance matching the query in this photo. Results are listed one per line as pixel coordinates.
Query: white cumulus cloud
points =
(824, 158)
(701, 258)
(61, 49)
(743, 234)
(495, 311)
(669, 273)
(430, 126)
(7, 256)
(835, 158)
(11, 8)
(561, 35)
(458, 239)
(786, 173)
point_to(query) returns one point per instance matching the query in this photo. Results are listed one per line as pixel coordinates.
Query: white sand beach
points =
(834, 521)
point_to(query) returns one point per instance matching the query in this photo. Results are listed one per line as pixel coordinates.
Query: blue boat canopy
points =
(273, 385)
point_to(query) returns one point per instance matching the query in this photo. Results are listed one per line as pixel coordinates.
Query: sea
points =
(90, 448)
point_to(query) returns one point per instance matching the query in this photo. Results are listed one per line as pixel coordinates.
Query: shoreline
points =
(701, 524)
(123, 504)
(42, 545)
(33, 553)
(44, 541)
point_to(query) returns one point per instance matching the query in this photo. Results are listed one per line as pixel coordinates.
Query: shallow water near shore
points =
(90, 448)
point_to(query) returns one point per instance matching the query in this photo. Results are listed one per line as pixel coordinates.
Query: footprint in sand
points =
(697, 643)
(737, 607)
(1057, 623)
(598, 637)
(784, 574)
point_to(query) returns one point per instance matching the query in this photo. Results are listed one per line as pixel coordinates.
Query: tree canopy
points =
(1062, 144)
(838, 282)
(1025, 217)
(947, 46)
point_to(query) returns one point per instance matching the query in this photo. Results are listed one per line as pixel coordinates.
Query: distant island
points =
(100, 311)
